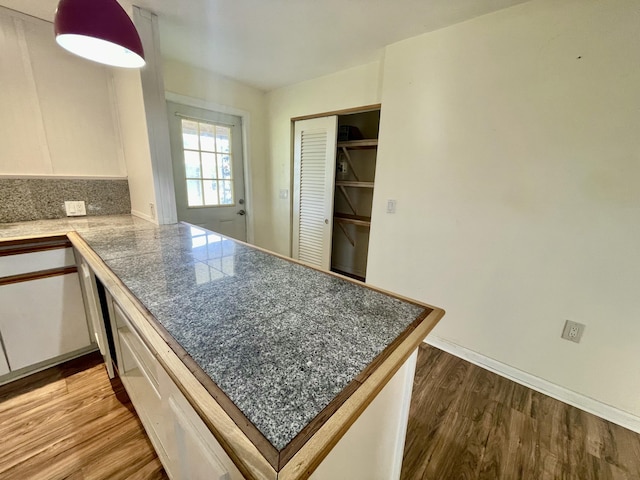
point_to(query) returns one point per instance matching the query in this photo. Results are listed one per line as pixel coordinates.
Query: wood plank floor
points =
(68, 422)
(468, 423)
(465, 423)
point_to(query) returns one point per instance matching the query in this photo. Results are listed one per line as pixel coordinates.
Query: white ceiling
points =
(272, 43)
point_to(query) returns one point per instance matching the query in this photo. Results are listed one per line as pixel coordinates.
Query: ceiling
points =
(273, 43)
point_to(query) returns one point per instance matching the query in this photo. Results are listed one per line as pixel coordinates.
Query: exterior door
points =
(314, 172)
(208, 172)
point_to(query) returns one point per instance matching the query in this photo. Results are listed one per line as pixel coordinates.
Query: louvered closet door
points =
(314, 170)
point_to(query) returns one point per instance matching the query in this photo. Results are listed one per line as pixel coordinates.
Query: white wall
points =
(211, 91)
(355, 87)
(135, 141)
(511, 145)
(58, 116)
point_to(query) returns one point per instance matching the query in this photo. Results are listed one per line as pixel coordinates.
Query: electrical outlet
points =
(75, 208)
(152, 210)
(573, 331)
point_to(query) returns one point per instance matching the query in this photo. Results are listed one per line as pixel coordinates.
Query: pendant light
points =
(99, 30)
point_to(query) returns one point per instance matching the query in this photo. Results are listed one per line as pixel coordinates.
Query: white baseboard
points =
(578, 400)
(143, 216)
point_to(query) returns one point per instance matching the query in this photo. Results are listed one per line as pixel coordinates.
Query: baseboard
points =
(578, 400)
(38, 367)
(143, 216)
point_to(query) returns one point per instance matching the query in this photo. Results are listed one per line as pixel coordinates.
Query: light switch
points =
(391, 206)
(284, 194)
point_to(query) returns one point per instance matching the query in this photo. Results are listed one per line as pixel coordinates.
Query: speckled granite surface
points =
(25, 199)
(279, 339)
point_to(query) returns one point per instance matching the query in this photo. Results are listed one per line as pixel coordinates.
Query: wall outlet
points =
(75, 208)
(573, 331)
(152, 210)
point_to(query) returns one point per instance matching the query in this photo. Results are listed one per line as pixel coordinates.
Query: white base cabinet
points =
(42, 316)
(184, 444)
(42, 319)
(93, 310)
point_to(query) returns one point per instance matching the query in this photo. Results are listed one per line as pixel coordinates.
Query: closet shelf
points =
(358, 144)
(353, 219)
(352, 183)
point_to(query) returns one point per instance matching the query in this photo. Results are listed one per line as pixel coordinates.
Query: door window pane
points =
(194, 192)
(210, 192)
(224, 166)
(208, 164)
(192, 164)
(226, 193)
(223, 139)
(207, 137)
(190, 134)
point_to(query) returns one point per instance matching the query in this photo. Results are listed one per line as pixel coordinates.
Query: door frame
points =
(246, 150)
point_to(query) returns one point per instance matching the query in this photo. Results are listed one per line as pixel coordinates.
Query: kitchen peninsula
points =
(277, 370)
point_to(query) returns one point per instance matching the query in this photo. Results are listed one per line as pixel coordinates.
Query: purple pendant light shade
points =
(99, 30)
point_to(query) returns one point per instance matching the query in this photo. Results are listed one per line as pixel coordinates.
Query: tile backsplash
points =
(23, 199)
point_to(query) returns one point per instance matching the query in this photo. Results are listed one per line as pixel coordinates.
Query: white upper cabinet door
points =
(314, 171)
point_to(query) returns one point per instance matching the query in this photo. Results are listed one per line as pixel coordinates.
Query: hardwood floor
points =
(465, 423)
(468, 423)
(67, 423)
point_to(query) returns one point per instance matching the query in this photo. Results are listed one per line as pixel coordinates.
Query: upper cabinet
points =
(334, 178)
(58, 115)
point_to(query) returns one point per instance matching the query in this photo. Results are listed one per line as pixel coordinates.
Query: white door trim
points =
(246, 149)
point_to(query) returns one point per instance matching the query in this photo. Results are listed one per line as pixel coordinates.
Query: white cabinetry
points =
(42, 317)
(187, 448)
(197, 454)
(93, 310)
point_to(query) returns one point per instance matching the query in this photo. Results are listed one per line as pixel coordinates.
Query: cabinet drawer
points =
(135, 353)
(36, 261)
(134, 357)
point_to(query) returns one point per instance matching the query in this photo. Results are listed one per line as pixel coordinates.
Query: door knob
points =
(241, 212)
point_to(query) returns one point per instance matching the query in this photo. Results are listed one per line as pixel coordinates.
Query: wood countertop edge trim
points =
(307, 459)
(36, 237)
(240, 448)
(243, 452)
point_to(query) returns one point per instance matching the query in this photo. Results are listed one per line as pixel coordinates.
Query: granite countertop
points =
(280, 339)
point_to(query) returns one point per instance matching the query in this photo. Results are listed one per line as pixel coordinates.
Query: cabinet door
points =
(42, 319)
(314, 171)
(94, 312)
(196, 460)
